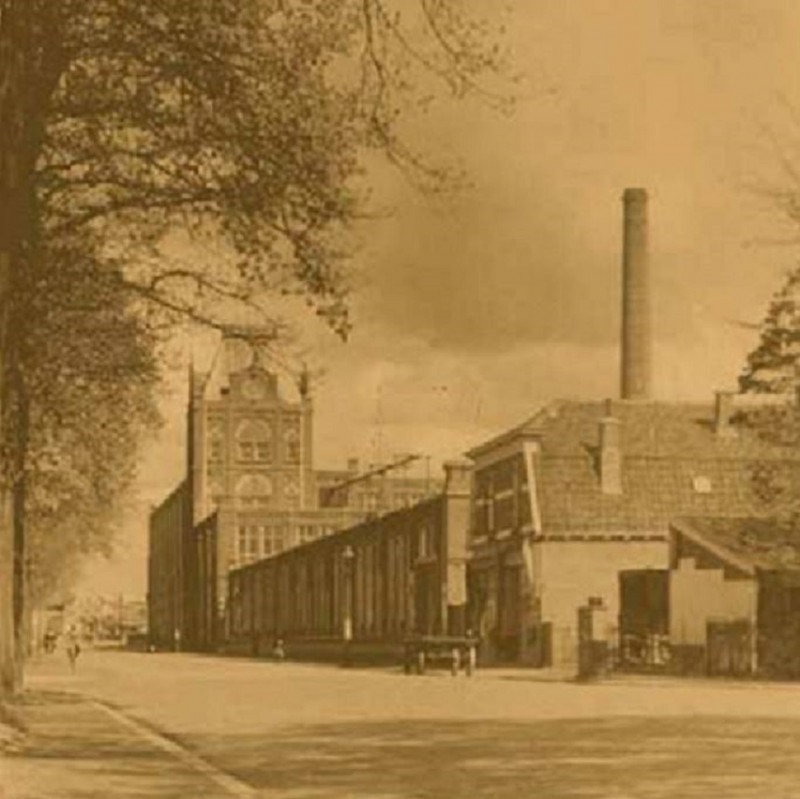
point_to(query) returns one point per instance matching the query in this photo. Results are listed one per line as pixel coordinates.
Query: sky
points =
(474, 308)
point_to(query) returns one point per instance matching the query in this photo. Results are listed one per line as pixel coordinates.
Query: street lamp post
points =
(348, 562)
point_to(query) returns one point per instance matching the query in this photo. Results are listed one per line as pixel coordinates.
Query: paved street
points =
(247, 728)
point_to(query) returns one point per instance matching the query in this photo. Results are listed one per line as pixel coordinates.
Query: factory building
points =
(250, 476)
(576, 508)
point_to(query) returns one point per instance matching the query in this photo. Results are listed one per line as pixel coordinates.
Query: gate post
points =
(592, 646)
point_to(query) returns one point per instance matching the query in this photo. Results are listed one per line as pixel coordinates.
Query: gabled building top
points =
(673, 459)
(240, 364)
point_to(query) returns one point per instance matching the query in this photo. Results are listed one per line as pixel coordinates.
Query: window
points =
(424, 542)
(291, 441)
(267, 541)
(503, 474)
(793, 600)
(249, 544)
(503, 513)
(308, 532)
(253, 491)
(254, 442)
(483, 512)
(255, 542)
(216, 435)
(241, 544)
(701, 484)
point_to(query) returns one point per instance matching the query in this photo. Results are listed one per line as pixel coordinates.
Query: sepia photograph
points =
(399, 399)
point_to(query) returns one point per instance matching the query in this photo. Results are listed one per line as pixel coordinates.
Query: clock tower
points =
(251, 457)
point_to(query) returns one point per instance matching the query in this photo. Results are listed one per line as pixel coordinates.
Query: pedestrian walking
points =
(278, 650)
(73, 650)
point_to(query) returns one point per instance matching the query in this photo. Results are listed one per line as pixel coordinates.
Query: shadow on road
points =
(72, 751)
(620, 758)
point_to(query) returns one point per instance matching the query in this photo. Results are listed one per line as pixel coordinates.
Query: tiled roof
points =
(673, 464)
(654, 429)
(758, 543)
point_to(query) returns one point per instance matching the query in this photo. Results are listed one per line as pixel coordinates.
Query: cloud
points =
(493, 269)
(660, 93)
(439, 402)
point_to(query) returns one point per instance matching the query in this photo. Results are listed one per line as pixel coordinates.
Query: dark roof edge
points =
(685, 527)
(530, 427)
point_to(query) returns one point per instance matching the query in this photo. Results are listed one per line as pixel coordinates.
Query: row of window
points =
(311, 532)
(372, 500)
(306, 595)
(255, 490)
(256, 541)
(501, 498)
(254, 443)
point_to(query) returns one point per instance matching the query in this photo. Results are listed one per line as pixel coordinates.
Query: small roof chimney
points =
(723, 413)
(610, 453)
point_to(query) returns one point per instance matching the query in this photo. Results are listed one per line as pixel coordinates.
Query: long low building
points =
(369, 586)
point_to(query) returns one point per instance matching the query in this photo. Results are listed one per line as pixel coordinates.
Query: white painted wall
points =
(572, 571)
(698, 595)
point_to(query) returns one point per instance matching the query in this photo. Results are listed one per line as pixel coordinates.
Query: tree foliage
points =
(772, 366)
(130, 123)
(85, 372)
(240, 121)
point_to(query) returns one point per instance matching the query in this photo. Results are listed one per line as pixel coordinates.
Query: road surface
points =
(289, 731)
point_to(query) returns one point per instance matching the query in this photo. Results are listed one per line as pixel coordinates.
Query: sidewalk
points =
(74, 749)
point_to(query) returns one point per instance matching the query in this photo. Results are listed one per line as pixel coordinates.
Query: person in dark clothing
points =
(73, 649)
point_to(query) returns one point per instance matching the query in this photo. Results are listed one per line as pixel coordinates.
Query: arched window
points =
(253, 491)
(291, 440)
(254, 442)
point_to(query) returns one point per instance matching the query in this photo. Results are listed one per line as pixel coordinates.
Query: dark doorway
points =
(644, 618)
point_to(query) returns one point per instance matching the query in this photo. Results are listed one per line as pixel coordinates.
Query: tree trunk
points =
(9, 544)
(18, 500)
(8, 671)
(15, 27)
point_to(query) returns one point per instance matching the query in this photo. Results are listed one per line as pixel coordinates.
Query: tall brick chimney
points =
(636, 342)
